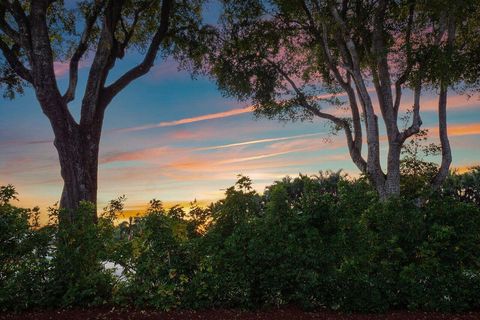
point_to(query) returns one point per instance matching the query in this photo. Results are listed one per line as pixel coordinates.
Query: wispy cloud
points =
(246, 143)
(211, 116)
(257, 157)
(24, 142)
(428, 104)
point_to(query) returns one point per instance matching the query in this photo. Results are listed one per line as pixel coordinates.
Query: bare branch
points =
(128, 33)
(373, 165)
(331, 63)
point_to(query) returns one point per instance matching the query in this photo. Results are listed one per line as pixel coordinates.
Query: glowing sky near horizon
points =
(173, 138)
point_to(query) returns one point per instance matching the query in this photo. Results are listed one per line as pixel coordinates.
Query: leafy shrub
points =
(23, 255)
(319, 241)
(159, 265)
(78, 275)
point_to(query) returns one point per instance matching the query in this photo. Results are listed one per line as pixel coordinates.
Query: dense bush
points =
(23, 255)
(78, 277)
(320, 241)
(58, 265)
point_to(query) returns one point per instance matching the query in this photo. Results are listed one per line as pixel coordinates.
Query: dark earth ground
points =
(276, 314)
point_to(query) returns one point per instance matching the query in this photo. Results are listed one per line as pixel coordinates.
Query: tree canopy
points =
(34, 35)
(296, 60)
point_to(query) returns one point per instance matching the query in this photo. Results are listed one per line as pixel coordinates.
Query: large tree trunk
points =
(78, 168)
(78, 154)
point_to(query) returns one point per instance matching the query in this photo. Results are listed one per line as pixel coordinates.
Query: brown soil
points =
(277, 314)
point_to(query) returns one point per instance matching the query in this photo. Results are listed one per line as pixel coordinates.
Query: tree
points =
(36, 33)
(293, 57)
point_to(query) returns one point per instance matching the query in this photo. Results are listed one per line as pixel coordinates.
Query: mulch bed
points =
(276, 314)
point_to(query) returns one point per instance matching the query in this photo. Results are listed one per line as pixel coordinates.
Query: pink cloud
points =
(190, 135)
(429, 102)
(62, 68)
(167, 70)
(211, 116)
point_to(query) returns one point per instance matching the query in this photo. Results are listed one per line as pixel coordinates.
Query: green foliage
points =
(78, 276)
(23, 256)
(318, 241)
(416, 172)
(465, 187)
(271, 52)
(158, 266)
(7, 193)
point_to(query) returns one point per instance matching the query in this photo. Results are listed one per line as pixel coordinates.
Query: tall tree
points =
(34, 34)
(292, 57)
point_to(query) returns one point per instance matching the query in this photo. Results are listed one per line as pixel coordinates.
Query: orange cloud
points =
(453, 102)
(464, 130)
(455, 130)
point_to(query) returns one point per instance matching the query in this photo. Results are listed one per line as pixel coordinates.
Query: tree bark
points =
(444, 141)
(78, 155)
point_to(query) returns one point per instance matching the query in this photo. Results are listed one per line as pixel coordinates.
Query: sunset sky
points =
(173, 138)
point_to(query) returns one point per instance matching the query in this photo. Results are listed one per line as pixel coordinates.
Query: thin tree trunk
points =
(444, 141)
(392, 183)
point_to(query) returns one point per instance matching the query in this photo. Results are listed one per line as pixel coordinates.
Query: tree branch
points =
(104, 59)
(354, 145)
(14, 63)
(354, 149)
(416, 121)
(24, 35)
(442, 118)
(408, 45)
(374, 169)
(43, 74)
(7, 29)
(147, 63)
(381, 72)
(348, 89)
(80, 50)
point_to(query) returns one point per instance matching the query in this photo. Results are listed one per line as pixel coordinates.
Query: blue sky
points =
(173, 138)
